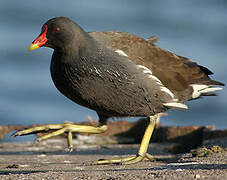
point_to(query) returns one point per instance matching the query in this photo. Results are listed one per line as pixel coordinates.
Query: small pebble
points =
(67, 161)
(13, 166)
(197, 176)
(41, 155)
(179, 170)
(79, 168)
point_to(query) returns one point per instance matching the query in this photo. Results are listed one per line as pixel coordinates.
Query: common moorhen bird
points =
(117, 74)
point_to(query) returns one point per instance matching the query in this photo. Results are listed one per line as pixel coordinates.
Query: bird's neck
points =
(77, 49)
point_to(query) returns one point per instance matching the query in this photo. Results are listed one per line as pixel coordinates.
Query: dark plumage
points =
(119, 74)
(86, 69)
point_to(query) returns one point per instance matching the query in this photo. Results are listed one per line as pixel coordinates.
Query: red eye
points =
(57, 29)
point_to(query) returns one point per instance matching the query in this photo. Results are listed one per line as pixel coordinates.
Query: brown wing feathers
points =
(176, 72)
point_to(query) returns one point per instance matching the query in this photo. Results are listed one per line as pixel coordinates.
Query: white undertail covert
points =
(200, 89)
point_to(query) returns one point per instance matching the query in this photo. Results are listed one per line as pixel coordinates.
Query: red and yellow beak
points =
(33, 46)
(40, 40)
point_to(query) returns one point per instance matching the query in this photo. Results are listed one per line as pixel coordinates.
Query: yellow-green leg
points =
(60, 129)
(142, 152)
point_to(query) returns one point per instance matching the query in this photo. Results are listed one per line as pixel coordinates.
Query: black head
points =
(57, 33)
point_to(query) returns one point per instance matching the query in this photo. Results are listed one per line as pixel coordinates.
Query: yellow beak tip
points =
(32, 47)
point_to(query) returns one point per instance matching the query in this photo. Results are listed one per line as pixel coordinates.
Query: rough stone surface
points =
(48, 160)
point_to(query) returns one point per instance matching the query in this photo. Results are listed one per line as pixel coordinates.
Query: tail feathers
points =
(209, 94)
(208, 82)
(206, 70)
(204, 90)
(217, 83)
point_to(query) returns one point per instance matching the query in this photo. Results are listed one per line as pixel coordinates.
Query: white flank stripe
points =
(176, 105)
(145, 68)
(120, 52)
(148, 71)
(156, 79)
(141, 66)
(163, 88)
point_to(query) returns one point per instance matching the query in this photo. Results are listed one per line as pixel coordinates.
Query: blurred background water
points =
(195, 29)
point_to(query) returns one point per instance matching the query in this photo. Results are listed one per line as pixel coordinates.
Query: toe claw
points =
(70, 149)
(14, 134)
(36, 141)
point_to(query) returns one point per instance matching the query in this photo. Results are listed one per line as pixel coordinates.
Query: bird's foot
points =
(59, 129)
(124, 161)
(142, 152)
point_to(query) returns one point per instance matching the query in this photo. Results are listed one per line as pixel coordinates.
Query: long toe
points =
(128, 160)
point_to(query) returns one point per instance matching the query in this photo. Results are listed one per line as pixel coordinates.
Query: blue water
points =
(195, 29)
